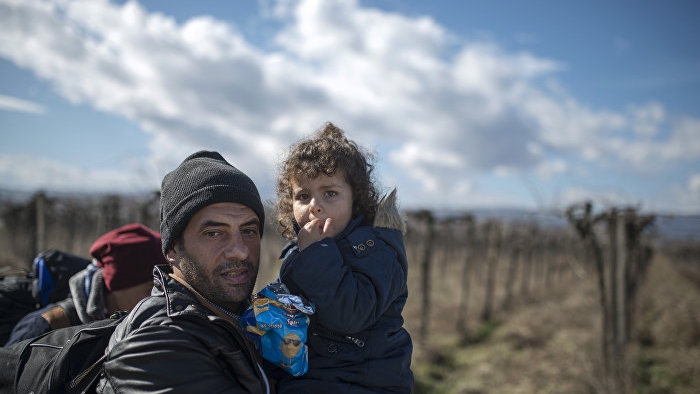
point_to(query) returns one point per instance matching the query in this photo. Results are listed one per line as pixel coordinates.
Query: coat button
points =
(370, 242)
(361, 246)
(333, 348)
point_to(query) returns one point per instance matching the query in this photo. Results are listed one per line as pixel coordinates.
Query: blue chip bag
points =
(277, 323)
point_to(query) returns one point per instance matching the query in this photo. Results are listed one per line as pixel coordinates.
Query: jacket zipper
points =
(323, 333)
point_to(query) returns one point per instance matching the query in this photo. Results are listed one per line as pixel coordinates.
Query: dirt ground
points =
(553, 345)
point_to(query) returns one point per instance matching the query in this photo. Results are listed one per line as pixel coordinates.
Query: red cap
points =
(127, 255)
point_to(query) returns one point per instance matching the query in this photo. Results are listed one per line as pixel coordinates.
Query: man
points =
(121, 274)
(186, 336)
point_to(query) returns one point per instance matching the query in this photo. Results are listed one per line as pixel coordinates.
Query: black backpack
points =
(66, 360)
(16, 300)
(21, 292)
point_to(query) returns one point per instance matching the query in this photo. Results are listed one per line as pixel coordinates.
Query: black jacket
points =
(172, 342)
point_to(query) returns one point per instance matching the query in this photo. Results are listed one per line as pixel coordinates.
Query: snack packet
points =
(277, 322)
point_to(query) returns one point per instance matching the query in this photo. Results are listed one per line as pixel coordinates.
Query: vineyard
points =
(600, 304)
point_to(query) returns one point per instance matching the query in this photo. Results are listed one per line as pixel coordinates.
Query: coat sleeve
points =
(351, 282)
(30, 326)
(162, 358)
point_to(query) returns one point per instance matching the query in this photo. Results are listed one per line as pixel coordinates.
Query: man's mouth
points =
(236, 276)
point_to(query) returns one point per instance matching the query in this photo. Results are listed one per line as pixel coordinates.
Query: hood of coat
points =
(388, 215)
(88, 292)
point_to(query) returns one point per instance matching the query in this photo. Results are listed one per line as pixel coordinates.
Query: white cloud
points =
(547, 169)
(21, 172)
(694, 184)
(441, 114)
(688, 200)
(684, 143)
(8, 103)
(681, 145)
(647, 119)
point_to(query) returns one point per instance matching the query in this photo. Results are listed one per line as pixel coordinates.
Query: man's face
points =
(219, 254)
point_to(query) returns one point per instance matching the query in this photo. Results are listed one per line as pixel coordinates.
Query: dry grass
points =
(667, 348)
(552, 345)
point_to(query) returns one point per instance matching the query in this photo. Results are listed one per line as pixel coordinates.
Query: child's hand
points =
(314, 231)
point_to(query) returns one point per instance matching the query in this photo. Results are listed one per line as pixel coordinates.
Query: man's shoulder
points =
(176, 306)
(150, 306)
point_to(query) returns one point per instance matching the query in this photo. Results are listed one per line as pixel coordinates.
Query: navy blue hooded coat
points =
(356, 339)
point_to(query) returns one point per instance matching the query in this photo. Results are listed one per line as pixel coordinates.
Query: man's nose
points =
(237, 249)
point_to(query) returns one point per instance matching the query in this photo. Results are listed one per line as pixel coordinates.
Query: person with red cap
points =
(121, 274)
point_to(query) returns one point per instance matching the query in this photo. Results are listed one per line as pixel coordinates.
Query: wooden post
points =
(463, 308)
(529, 242)
(584, 222)
(494, 244)
(613, 278)
(516, 245)
(425, 272)
(621, 279)
(40, 206)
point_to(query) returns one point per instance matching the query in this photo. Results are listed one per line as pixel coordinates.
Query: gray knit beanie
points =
(202, 179)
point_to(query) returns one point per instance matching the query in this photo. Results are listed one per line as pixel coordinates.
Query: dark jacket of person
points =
(356, 339)
(172, 342)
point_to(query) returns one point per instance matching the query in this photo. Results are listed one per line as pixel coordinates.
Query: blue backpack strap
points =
(45, 283)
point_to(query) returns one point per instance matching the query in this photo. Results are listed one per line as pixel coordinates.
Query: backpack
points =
(21, 292)
(52, 269)
(16, 300)
(66, 360)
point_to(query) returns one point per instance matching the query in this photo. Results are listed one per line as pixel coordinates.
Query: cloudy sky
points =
(467, 104)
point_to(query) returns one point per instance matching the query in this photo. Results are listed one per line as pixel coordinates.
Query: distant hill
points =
(679, 227)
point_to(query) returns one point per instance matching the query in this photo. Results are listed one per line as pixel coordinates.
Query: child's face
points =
(321, 198)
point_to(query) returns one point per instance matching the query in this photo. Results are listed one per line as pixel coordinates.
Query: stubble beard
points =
(212, 286)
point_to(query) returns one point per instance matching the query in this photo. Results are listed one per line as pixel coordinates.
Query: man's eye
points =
(211, 234)
(331, 194)
(250, 231)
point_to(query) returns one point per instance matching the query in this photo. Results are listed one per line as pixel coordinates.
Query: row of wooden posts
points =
(534, 259)
(70, 223)
(612, 245)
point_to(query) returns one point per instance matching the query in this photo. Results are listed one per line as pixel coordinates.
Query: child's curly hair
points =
(329, 152)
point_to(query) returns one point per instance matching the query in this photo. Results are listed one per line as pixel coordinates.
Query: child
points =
(350, 266)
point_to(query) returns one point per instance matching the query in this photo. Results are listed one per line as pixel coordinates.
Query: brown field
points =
(551, 344)
(547, 340)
